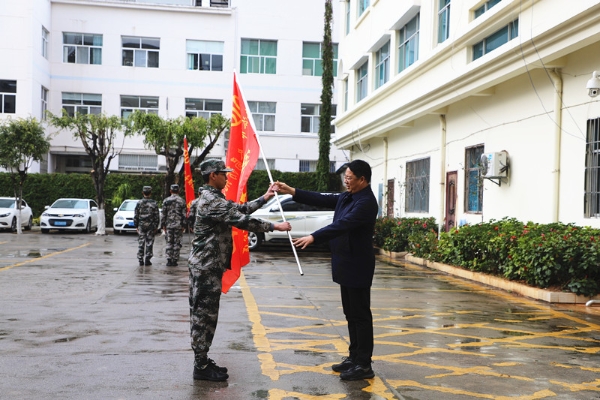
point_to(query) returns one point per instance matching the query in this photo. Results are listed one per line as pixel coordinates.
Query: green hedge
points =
(41, 190)
(557, 255)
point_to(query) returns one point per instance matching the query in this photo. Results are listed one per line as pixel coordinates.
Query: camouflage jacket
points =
(191, 218)
(146, 216)
(213, 245)
(173, 211)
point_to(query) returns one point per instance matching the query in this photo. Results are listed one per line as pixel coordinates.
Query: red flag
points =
(189, 180)
(242, 155)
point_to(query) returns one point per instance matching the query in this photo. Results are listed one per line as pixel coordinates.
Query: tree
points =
(98, 134)
(22, 142)
(326, 95)
(165, 136)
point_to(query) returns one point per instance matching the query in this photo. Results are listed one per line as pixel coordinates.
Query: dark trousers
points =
(205, 295)
(356, 303)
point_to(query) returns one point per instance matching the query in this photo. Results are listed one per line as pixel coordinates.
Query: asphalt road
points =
(80, 319)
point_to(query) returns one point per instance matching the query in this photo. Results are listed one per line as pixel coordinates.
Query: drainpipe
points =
(385, 174)
(558, 93)
(442, 173)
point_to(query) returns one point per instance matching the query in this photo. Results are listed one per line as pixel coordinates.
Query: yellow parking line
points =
(46, 256)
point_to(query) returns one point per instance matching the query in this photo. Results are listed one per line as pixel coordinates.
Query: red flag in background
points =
(242, 155)
(189, 180)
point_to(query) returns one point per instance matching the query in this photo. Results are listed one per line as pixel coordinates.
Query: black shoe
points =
(358, 372)
(169, 263)
(344, 365)
(148, 262)
(214, 365)
(208, 373)
(141, 263)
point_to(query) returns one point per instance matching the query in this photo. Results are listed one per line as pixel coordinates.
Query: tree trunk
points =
(101, 222)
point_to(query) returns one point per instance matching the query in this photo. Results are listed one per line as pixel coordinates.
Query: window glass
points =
(140, 52)
(80, 48)
(417, 186)
(258, 56)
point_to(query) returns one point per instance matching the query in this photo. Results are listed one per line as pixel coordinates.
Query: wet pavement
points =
(80, 320)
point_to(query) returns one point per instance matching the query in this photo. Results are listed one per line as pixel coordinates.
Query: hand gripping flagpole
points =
(270, 177)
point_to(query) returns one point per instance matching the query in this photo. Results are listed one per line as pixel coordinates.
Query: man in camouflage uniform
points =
(146, 219)
(211, 256)
(173, 224)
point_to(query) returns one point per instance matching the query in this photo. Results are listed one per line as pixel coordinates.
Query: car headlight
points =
(4, 215)
(79, 215)
(45, 214)
(119, 217)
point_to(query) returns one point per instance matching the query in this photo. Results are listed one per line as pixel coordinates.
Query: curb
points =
(494, 281)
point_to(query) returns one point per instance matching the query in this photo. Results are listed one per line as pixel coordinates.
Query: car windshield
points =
(128, 206)
(7, 203)
(70, 204)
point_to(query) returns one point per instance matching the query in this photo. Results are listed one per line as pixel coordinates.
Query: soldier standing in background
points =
(173, 224)
(146, 219)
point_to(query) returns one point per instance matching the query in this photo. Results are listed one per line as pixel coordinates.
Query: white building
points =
(171, 57)
(428, 86)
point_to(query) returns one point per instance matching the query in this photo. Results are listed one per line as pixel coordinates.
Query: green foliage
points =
(383, 230)
(326, 96)
(554, 255)
(398, 238)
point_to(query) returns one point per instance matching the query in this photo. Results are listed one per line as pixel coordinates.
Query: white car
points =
(304, 219)
(123, 218)
(9, 212)
(70, 214)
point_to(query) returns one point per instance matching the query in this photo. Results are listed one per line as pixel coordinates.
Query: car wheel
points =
(13, 225)
(45, 230)
(254, 240)
(29, 223)
(88, 226)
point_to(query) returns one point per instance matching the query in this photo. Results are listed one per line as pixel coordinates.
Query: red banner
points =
(242, 155)
(189, 180)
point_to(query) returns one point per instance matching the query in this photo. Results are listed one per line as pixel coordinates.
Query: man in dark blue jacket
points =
(350, 237)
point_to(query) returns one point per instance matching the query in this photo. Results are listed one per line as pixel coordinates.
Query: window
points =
(345, 83)
(8, 97)
(496, 39)
(260, 164)
(45, 34)
(44, 103)
(362, 6)
(362, 76)
(258, 56)
(417, 186)
(204, 55)
(382, 65)
(214, 3)
(591, 202)
(443, 20)
(263, 113)
(81, 103)
(82, 48)
(312, 63)
(140, 51)
(347, 17)
(473, 181)
(310, 117)
(138, 162)
(485, 7)
(307, 166)
(408, 49)
(203, 107)
(145, 104)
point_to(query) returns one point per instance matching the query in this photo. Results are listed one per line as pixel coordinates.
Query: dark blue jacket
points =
(350, 235)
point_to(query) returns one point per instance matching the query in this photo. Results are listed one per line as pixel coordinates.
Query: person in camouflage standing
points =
(146, 219)
(173, 224)
(211, 256)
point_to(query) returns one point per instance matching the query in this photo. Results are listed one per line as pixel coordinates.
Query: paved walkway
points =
(80, 320)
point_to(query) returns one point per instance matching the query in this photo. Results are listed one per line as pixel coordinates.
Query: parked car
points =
(303, 218)
(9, 211)
(70, 214)
(123, 218)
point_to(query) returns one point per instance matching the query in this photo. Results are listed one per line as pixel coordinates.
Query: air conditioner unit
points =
(494, 165)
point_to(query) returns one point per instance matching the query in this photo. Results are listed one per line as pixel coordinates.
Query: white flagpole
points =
(268, 171)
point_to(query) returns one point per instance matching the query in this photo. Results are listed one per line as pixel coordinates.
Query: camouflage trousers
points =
(173, 238)
(205, 294)
(145, 245)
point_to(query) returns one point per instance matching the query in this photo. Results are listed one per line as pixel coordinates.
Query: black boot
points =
(209, 372)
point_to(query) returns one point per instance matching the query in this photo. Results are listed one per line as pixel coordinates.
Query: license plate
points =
(60, 223)
(130, 223)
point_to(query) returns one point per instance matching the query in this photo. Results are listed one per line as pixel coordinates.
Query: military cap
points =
(213, 165)
(147, 189)
(175, 188)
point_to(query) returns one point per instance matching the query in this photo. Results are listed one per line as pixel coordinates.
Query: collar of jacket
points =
(213, 190)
